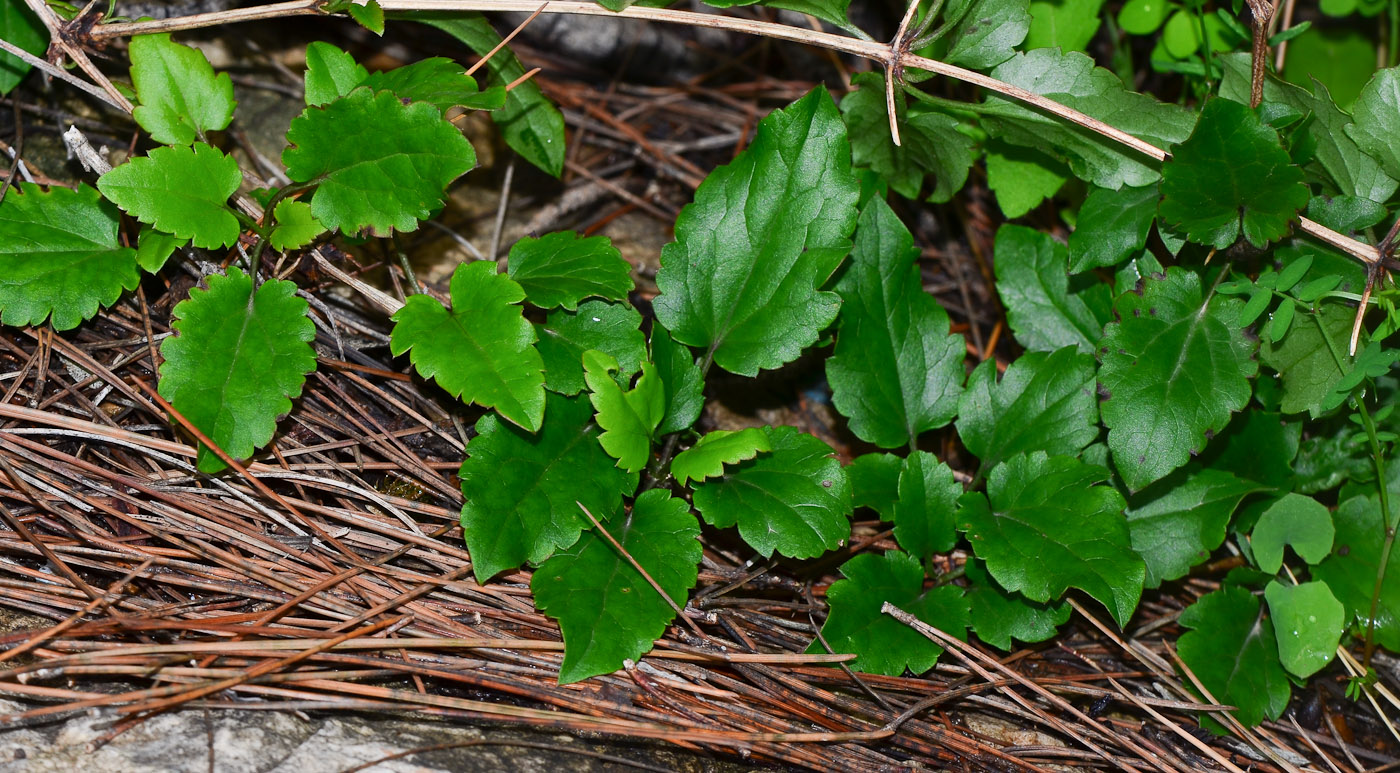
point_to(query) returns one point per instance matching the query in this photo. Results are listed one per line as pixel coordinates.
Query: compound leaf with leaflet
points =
(561, 269)
(1047, 528)
(882, 644)
(181, 190)
(482, 350)
(1234, 654)
(606, 609)
(238, 358)
(763, 234)
(180, 96)
(629, 417)
(795, 500)
(59, 256)
(1174, 368)
(709, 455)
(523, 490)
(1044, 402)
(608, 327)
(378, 164)
(896, 372)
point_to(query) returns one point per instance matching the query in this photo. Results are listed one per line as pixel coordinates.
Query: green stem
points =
(413, 287)
(1205, 46)
(1388, 518)
(657, 469)
(1393, 55)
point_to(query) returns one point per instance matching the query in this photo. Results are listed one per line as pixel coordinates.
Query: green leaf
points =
(1259, 446)
(153, 248)
(330, 73)
(606, 609)
(1376, 116)
(238, 358)
(181, 98)
(180, 190)
(681, 379)
(531, 124)
(930, 144)
(482, 350)
(378, 164)
(998, 616)
(1308, 624)
(1044, 402)
(987, 32)
(1338, 56)
(628, 418)
(369, 15)
(1034, 286)
(296, 226)
(1048, 528)
(1231, 174)
(1021, 177)
(794, 500)
(438, 81)
(1143, 17)
(1173, 370)
(566, 335)
(1072, 79)
(19, 26)
(875, 482)
(1350, 571)
(763, 233)
(1345, 214)
(884, 645)
(1065, 24)
(561, 269)
(1234, 654)
(833, 11)
(924, 512)
(523, 490)
(59, 256)
(1179, 521)
(1113, 226)
(1307, 358)
(1295, 520)
(709, 455)
(895, 372)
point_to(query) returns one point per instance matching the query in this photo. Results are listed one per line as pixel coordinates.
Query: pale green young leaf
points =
(1178, 521)
(628, 418)
(1068, 25)
(1173, 370)
(1204, 194)
(181, 99)
(236, 361)
(1033, 281)
(608, 327)
(1044, 402)
(531, 124)
(1234, 654)
(883, 645)
(708, 457)
(20, 27)
(1072, 79)
(999, 616)
(154, 247)
(523, 489)
(59, 256)
(438, 81)
(1350, 571)
(562, 268)
(296, 226)
(1308, 625)
(930, 144)
(482, 350)
(681, 377)
(875, 482)
(1307, 358)
(1296, 520)
(181, 190)
(1021, 178)
(924, 522)
(606, 609)
(1113, 226)
(330, 73)
(987, 31)
(763, 234)
(368, 14)
(1376, 116)
(896, 372)
(1047, 527)
(378, 164)
(795, 500)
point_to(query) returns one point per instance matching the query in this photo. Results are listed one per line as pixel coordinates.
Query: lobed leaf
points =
(999, 616)
(236, 361)
(925, 510)
(1033, 281)
(1234, 654)
(482, 350)
(1044, 402)
(763, 234)
(682, 380)
(296, 226)
(59, 256)
(181, 190)
(607, 611)
(561, 269)
(1178, 521)
(896, 372)
(1173, 370)
(523, 490)
(708, 457)
(1296, 520)
(181, 99)
(608, 327)
(628, 418)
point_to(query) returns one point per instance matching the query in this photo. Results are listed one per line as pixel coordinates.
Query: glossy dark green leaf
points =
(682, 380)
(1307, 358)
(875, 482)
(1044, 402)
(1376, 119)
(999, 616)
(562, 269)
(930, 144)
(19, 26)
(1033, 281)
(181, 99)
(1179, 521)
(924, 522)
(608, 327)
(1113, 226)
(1233, 652)
(986, 32)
